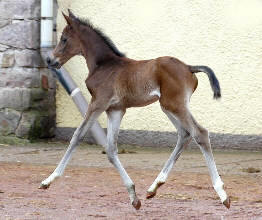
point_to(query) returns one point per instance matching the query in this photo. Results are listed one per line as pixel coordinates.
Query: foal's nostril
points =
(48, 60)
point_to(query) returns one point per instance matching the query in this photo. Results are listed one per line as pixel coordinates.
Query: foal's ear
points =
(71, 15)
(68, 19)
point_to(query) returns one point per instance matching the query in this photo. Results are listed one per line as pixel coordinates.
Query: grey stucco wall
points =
(27, 88)
(169, 139)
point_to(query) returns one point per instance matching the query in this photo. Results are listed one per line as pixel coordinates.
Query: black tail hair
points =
(212, 78)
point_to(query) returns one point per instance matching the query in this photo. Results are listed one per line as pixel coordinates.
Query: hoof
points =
(136, 203)
(227, 202)
(43, 186)
(150, 195)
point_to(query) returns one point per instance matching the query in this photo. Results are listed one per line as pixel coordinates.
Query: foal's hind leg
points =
(114, 120)
(200, 135)
(202, 138)
(184, 139)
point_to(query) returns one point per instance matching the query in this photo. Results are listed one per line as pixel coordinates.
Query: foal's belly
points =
(140, 100)
(141, 103)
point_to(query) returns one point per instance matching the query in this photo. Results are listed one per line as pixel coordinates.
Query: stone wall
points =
(27, 88)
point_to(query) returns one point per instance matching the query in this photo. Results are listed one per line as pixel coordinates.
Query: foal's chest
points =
(101, 83)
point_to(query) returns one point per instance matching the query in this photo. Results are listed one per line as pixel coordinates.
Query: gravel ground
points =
(91, 188)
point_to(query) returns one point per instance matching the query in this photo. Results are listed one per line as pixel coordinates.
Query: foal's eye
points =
(64, 40)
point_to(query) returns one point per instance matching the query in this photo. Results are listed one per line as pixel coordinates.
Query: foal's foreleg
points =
(88, 121)
(114, 120)
(184, 139)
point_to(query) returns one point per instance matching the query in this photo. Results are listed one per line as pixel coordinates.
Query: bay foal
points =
(116, 83)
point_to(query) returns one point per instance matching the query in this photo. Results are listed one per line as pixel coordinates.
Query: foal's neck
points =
(94, 49)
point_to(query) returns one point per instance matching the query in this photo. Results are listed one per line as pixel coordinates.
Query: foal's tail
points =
(212, 78)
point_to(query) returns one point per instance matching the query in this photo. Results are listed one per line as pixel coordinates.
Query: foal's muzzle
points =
(53, 63)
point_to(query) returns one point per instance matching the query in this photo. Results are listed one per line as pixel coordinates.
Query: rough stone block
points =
(9, 120)
(43, 100)
(3, 48)
(44, 82)
(20, 77)
(7, 59)
(23, 34)
(50, 100)
(26, 124)
(36, 124)
(4, 22)
(15, 98)
(28, 58)
(51, 79)
(38, 94)
(20, 9)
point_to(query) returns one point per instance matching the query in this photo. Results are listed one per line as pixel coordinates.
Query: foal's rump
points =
(177, 83)
(179, 78)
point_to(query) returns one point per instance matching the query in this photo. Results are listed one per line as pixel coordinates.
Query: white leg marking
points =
(114, 120)
(216, 180)
(183, 140)
(202, 138)
(78, 134)
(218, 186)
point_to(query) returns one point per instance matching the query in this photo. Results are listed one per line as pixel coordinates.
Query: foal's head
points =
(80, 37)
(68, 46)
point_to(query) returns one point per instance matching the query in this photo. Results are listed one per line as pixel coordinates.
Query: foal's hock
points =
(117, 83)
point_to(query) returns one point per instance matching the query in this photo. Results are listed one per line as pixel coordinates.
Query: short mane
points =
(106, 39)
